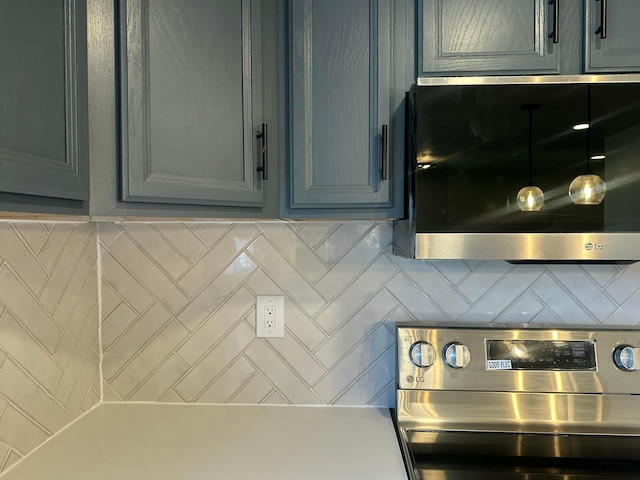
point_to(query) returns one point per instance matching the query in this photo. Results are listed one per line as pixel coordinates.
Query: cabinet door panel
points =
(340, 98)
(191, 101)
(487, 36)
(620, 50)
(43, 137)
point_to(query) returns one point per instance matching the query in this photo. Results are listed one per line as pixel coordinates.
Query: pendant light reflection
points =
(530, 198)
(589, 188)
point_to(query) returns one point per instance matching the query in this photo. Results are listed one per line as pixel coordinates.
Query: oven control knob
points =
(422, 354)
(625, 357)
(456, 355)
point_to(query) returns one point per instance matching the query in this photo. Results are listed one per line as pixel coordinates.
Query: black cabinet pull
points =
(384, 164)
(264, 152)
(555, 33)
(602, 29)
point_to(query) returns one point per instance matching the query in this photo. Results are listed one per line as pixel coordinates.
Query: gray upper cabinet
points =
(493, 37)
(191, 102)
(43, 99)
(488, 36)
(612, 45)
(340, 107)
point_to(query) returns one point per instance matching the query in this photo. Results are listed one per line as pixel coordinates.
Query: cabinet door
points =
(339, 101)
(619, 50)
(487, 37)
(191, 101)
(43, 98)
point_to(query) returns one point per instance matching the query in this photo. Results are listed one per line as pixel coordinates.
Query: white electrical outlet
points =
(270, 316)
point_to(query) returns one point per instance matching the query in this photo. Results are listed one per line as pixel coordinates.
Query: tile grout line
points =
(351, 350)
(207, 250)
(355, 277)
(311, 251)
(146, 343)
(285, 292)
(87, 318)
(190, 366)
(85, 363)
(125, 302)
(140, 352)
(99, 280)
(76, 348)
(597, 286)
(201, 359)
(6, 458)
(354, 245)
(361, 375)
(561, 286)
(20, 237)
(344, 323)
(53, 435)
(436, 304)
(76, 264)
(274, 388)
(175, 248)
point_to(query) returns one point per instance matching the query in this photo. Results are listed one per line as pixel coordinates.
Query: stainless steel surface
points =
(524, 79)
(623, 247)
(423, 410)
(570, 412)
(607, 379)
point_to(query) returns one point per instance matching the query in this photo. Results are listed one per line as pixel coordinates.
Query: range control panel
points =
(532, 359)
(548, 355)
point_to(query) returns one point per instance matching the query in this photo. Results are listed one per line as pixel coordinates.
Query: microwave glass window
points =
(473, 150)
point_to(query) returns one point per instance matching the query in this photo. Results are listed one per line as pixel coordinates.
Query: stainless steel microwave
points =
(523, 169)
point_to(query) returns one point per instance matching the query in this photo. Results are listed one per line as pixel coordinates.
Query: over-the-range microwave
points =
(523, 169)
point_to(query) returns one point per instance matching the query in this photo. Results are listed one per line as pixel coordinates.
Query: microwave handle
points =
(602, 29)
(384, 164)
(555, 33)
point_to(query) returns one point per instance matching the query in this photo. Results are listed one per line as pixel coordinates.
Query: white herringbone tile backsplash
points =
(178, 308)
(178, 313)
(49, 319)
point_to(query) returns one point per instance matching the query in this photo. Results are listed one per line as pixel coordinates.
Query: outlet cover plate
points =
(265, 326)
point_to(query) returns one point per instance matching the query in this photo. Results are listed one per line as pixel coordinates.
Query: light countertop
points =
(198, 442)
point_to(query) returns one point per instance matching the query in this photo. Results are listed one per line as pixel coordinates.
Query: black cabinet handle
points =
(264, 152)
(602, 29)
(384, 164)
(555, 33)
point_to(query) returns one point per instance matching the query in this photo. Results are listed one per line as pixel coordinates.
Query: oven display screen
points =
(541, 355)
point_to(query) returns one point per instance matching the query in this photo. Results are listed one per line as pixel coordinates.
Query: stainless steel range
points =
(480, 402)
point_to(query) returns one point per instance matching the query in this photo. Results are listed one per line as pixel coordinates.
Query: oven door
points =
(454, 455)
